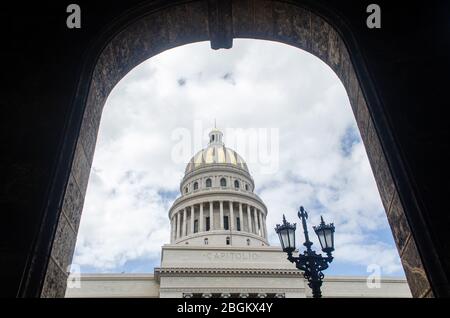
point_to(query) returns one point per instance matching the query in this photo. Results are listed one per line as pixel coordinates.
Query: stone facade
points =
(113, 285)
(227, 270)
(147, 286)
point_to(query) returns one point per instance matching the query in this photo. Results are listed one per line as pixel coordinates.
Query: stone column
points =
(183, 230)
(249, 217)
(241, 218)
(263, 231)
(172, 229)
(255, 218)
(192, 219)
(265, 226)
(211, 215)
(259, 214)
(221, 214)
(200, 223)
(178, 233)
(231, 215)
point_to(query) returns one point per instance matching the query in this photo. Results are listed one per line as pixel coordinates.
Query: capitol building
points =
(219, 245)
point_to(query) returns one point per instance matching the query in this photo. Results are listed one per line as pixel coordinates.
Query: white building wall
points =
(145, 285)
(113, 285)
(216, 284)
(198, 257)
(357, 287)
(218, 239)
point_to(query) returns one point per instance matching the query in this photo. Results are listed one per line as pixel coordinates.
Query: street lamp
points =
(286, 233)
(311, 263)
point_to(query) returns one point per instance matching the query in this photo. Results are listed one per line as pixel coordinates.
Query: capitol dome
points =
(217, 205)
(216, 154)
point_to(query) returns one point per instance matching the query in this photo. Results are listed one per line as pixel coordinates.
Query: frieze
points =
(232, 290)
(232, 256)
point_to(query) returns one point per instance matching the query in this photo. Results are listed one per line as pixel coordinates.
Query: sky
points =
(282, 109)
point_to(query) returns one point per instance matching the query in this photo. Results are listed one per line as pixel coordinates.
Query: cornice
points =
(186, 271)
(207, 194)
(217, 168)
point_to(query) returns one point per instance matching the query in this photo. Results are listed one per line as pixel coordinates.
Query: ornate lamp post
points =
(311, 263)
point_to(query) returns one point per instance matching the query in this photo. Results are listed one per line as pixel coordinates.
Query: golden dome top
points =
(216, 153)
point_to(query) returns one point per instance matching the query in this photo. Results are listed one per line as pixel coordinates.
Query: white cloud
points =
(256, 84)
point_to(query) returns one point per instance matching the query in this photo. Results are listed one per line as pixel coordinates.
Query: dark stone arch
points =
(153, 28)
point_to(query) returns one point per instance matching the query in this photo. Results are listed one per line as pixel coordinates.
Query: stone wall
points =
(147, 286)
(113, 285)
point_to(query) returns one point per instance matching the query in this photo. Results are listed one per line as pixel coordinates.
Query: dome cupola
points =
(215, 137)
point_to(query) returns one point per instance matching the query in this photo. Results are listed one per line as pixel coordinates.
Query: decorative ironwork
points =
(311, 263)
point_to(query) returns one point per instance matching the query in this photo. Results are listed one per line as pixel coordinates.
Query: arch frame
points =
(176, 23)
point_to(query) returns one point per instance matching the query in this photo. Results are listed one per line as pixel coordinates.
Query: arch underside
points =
(219, 22)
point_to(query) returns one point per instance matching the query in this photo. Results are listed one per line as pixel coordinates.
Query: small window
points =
(186, 190)
(228, 241)
(223, 182)
(208, 183)
(236, 184)
(246, 187)
(207, 224)
(238, 223)
(195, 185)
(205, 241)
(226, 223)
(248, 242)
(212, 138)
